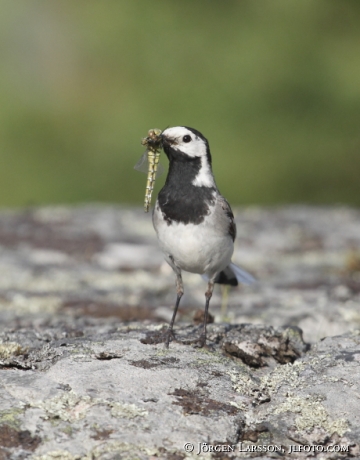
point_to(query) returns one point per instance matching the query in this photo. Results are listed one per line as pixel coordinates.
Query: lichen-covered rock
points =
(84, 302)
(107, 393)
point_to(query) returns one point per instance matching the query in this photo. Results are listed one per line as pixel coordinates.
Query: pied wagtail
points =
(193, 221)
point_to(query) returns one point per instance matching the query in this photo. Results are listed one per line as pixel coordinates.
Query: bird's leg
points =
(208, 295)
(179, 294)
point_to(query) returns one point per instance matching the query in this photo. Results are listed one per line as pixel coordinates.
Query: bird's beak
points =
(166, 140)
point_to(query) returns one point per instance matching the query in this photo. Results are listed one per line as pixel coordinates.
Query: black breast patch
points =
(188, 206)
(179, 200)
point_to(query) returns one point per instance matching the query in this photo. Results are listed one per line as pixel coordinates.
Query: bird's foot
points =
(200, 342)
(168, 337)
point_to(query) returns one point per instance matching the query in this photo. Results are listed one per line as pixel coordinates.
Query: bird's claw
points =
(200, 342)
(168, 336)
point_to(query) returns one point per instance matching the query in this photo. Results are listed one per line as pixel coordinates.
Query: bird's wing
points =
(230, 216)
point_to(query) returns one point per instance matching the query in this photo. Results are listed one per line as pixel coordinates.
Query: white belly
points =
(194, 248)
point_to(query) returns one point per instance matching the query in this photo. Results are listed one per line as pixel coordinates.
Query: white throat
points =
(204, 177)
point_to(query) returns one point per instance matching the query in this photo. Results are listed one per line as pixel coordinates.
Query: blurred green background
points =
(273, 84)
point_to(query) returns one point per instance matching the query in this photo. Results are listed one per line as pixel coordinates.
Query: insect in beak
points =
(153, 143)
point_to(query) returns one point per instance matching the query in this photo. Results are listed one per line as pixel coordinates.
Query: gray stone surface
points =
(84, 299)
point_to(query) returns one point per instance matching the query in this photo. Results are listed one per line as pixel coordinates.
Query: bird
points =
(194, 223)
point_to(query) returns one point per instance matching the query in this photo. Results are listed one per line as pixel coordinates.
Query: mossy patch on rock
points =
(10, 349)
(310, 414)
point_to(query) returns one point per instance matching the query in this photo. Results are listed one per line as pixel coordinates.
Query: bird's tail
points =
(233, 275)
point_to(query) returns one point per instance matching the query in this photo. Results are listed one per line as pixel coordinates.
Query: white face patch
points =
(194, 146)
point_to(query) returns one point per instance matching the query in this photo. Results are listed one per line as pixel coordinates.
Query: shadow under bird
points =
(193, 221)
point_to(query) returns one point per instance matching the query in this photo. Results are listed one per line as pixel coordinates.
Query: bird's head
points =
(187, 146)
(186, 141)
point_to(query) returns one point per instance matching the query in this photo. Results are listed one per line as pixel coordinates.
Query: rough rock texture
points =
(84, 299)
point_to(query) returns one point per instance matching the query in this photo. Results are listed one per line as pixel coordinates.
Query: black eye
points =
(187, 138)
